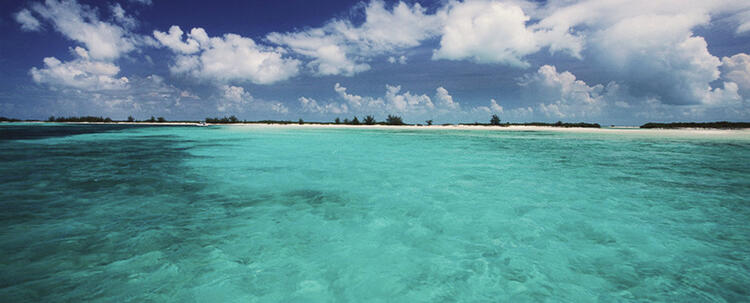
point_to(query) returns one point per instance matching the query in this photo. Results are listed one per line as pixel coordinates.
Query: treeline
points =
(231, 119)
(390, 120)
(78, 119)
(719, 124)
(105, 119)
(4, 119)
(370, 120)
(234, 119)
(561, 124)
(367, 120)
(556, 124)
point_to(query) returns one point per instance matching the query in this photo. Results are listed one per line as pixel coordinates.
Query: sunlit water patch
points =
(217, 214)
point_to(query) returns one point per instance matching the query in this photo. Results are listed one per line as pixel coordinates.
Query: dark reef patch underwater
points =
(232, 213)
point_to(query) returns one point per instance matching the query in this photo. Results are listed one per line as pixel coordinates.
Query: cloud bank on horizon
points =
(641, 61)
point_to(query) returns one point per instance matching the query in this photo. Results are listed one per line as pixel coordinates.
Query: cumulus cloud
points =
(445, 100)
(341, 48)
(311, 105)
(173, 39)
(649, 46)
(104, 41)
(230, 57)
(493, 108)
(235, 94)
(743, 20)
(144, 97)
(737, 69)
(399, 60)
(358, 102)
(727, 96)
(234, 98)
(561, 95)
(487, 32)
(81, 73)
(549, 94)
(678, 67)
(118, 13)
(406, 102)
(396, 101)
(92, 69)
(27, 20)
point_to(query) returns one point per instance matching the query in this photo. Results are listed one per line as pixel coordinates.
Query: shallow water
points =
(237, 214)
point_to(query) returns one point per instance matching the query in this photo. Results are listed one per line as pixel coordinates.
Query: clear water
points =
(244, 214)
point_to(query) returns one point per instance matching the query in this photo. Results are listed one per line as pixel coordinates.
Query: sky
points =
(622, 62)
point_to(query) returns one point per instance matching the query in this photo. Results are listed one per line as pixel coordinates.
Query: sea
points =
(132, 213)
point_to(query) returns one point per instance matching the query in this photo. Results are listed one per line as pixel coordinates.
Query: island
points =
(716, 125)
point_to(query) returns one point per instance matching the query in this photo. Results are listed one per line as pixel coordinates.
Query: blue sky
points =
(612, 62)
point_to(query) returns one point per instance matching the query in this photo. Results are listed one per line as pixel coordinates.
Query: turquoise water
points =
(259, 214)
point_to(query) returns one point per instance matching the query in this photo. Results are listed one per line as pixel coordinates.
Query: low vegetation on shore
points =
(370, 120)
(556, 124)
(718, 125)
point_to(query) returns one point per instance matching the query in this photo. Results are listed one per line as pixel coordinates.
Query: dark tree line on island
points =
(79, 119)
(101, 120)
(370, 120)
(561, 124)
(390, 120)
(720, 125)
(367, 120)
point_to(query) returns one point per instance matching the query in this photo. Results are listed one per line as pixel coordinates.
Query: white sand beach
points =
(626, 130)
(617, 130)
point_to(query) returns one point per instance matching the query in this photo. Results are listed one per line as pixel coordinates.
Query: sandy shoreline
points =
(627, 130)
(652, 132)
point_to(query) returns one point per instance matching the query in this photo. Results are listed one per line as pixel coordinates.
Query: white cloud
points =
(227, 58)
(445, 100)
(173, 40)
(341, 48)
(81, 73)
(236, 100)
(561, 95)
(233, 98)
(487, 32)
(737, 69)
(406, 102)
(356, 101)
(27, 20)
(399, 60)
(310, 105)
(235, 94)
(104, 41)
(676, 67)
(743, 20)
(118, 13)
(726, 96)
(143, 97)
(648, 46)
(493, 108)
(397, 101)
(144, 2)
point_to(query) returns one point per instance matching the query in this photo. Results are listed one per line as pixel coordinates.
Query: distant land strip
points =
(370, 120)
(719, 125)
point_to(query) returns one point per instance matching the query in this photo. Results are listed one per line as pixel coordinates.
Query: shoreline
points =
(633, 130)
(744, 132)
